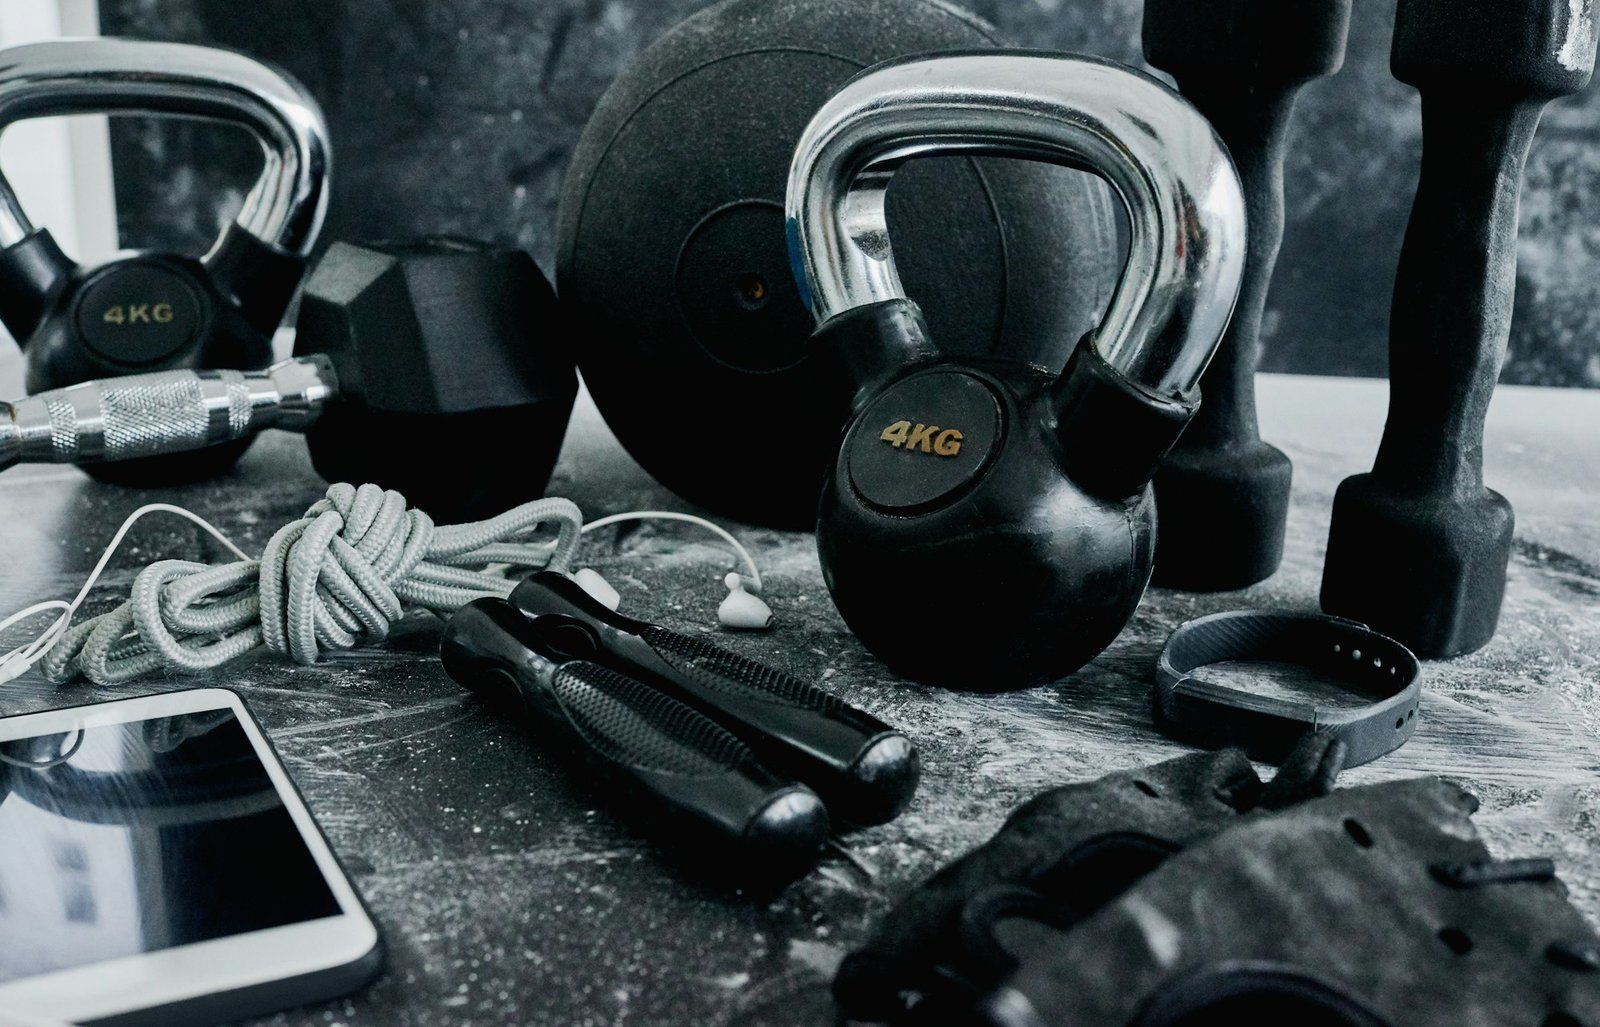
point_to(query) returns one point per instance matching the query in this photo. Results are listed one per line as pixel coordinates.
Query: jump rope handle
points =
(866, 771)
(670, 752)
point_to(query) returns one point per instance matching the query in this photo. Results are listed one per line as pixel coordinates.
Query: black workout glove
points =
(1192, 892)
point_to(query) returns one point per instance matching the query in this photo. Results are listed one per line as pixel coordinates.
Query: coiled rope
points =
(339, 577)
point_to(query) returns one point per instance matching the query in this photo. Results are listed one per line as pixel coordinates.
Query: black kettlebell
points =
(154, 311)
(988, 524)
(671, 252)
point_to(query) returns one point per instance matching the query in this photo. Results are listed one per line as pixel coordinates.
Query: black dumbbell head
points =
(1265, 41)
(455, 382)
(1427, 571)
(1522, 49)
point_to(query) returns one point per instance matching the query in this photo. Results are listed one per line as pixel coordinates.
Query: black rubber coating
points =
(1214, 715)
(924, 440)
(1113, 433)
(138, 314)
(1031, 565)
(30, 273)
(455, 376)
(866, 771)
(1223, 494)
(259, 277)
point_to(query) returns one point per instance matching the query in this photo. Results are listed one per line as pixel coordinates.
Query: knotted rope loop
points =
(340, 576)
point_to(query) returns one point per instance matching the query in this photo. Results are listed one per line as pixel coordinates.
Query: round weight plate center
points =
(138, 314)
(736, 292)
(924, 440)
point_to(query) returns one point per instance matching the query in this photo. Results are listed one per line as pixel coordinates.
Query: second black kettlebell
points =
(147, 310)
(671, 254)
(988, 524)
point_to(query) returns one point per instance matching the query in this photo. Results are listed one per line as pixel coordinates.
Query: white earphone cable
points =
(17, 662)
(668, 515)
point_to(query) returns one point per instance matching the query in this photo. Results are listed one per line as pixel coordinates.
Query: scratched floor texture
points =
(509, 895)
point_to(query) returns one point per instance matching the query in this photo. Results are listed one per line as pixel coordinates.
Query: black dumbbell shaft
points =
(1223, 493)
(865, 770)
(1419, 547)
(1452, 309)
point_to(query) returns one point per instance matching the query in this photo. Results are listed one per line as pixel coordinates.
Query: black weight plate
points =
(673, 268)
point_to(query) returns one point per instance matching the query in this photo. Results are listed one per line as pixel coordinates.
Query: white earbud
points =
(591, 582)
(13, 667)
(742, 610)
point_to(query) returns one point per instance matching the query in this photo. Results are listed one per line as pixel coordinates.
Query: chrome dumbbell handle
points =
(163, 412)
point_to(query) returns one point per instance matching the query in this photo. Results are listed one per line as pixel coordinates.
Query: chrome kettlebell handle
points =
(1184, 199)
(122, 76)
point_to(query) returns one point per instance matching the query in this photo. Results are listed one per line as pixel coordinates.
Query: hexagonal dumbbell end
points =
(455, 378)
(1225, 44)
(1418, 548)
(1512, 51)
(1223, 493)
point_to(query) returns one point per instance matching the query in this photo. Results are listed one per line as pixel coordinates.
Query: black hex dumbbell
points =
(438, 369)
(1223, 493)
(456, 380)
(1419, 547)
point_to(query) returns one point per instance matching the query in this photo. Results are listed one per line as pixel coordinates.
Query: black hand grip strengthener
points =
(1223, 494)
(866, 771)
(1418, 548)
(677, 756)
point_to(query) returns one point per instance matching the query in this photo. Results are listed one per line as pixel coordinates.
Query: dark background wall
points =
(460, 116)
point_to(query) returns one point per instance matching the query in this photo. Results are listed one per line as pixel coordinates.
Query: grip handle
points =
(676, 755)
(865, 770)
(162, 412)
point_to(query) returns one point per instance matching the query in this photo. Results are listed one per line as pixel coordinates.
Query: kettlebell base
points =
(974, 609)
(1425, 570)
(154, 472)
(1221, 516)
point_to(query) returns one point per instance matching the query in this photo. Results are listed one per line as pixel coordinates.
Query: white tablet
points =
(157, 866)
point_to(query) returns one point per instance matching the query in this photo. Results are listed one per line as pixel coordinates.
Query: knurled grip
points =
(865, 770)
(640, 729)
(720, 671)
(161, 412)
(687, 761)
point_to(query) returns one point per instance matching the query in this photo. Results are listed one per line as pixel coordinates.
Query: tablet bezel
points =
(188, 972)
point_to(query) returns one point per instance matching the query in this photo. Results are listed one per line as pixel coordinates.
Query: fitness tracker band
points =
(1340, 652)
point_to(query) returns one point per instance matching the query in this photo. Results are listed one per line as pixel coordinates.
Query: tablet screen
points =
(123, 839)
